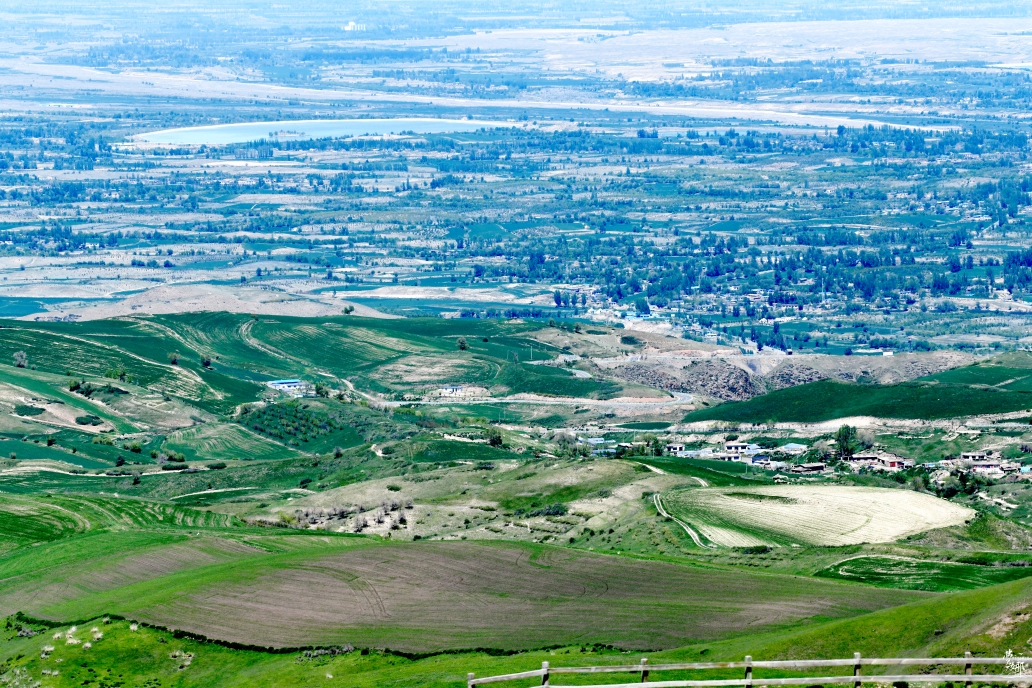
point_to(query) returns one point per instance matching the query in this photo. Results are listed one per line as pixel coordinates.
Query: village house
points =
(295, 388)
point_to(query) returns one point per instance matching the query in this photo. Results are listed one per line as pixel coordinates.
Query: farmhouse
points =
(973, 456)
(295, 388)
(675, 448)
(893, 461)
(880, 460)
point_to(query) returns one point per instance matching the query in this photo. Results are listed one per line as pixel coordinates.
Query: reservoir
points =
(222, 134)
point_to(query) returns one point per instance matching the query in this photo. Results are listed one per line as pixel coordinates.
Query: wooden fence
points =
(1018, 672)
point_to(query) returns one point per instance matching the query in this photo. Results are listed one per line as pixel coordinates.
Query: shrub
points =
(88, 419)
(216, 466)
(174, 467)
(394, 488)
(557, 509)
(26, 410)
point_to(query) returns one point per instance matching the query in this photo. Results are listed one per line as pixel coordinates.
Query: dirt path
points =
(663, 512)
(204, 492)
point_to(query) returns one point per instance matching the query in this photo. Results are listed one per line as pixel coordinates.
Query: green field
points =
(827, 400)
(937, 626)
(911, 574)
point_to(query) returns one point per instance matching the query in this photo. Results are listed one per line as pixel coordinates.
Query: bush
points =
(174, 467)
(557, 509)
(88, 419)
(26, 410)
(216, 466)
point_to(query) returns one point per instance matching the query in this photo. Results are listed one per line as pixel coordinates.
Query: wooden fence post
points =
(856, 670)
(967, 669)
(469, 680)
(748, 670)
(544, 676)
(644, 669)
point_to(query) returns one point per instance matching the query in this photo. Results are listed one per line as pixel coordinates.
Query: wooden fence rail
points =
(1019, 672)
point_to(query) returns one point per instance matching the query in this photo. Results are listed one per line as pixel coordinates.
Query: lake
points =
(222, 134)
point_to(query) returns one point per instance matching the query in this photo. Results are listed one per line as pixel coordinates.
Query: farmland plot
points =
(225, 441)
(914, 574)
(424, 597)
(812, 514)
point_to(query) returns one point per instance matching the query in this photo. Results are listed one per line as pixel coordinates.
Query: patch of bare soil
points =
(712, 378)
(792, 374)
(651, 376)
(735, 378)
(721, 380)
(1007, 623)
(196, 297)
(887, 369)
(448, 595)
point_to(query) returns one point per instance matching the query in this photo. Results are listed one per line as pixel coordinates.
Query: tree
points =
(462, 344)
(21, 360)
(494, 437)
(845, 443)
